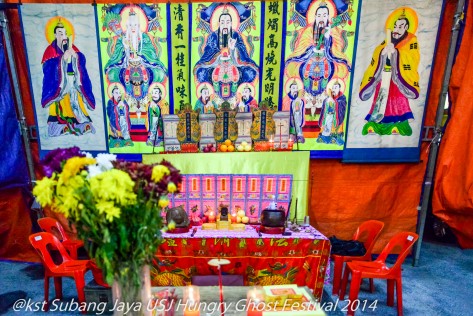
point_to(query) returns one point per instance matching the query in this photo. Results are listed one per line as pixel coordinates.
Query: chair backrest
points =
(371, 229)
(52, 226)
(404, 241)
(41, 241)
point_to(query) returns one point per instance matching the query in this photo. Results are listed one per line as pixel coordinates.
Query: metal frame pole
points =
(19, 100)
(427, 187)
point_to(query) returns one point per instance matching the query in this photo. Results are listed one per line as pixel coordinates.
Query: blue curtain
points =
(13, 167)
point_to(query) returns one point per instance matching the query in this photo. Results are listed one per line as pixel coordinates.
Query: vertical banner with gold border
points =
(272, 50)
(180, 53)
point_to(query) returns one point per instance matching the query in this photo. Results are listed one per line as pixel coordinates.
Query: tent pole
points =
(428, 181)
(19, 100)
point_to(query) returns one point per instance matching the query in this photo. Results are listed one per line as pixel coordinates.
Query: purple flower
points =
(53, 161)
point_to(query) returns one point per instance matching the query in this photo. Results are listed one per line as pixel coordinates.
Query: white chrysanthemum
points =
(87, 154)
(105, 161)
(94, 170)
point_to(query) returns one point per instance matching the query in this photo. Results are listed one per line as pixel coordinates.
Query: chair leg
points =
(371, 286)
(46, 293)
(58, 287)
(80, 284)
(343, 288)
(399, 296)
(354, 291)
(390, 292)
(337, 275)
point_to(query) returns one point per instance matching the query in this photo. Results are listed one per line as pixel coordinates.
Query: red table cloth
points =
(301, 258)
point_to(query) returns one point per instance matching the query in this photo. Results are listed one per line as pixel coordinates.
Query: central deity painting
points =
(225, 55)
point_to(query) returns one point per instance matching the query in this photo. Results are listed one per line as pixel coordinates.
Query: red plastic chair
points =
(379, 270)
(367, 233)
(68, 267)
(52, 226)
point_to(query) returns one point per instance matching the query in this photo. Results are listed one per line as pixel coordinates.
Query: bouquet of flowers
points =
(114, 205)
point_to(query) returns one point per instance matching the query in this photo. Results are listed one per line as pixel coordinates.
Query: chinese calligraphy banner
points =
(396, 44)
(61, 46)
(180, 36)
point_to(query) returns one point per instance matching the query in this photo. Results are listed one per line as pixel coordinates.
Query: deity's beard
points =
(245, 99)
(133, 39)
(205, 100)
(294, 94)
(395, 41)
(64, 45)
(335, 95)
(225, 35)
(117, 100)
(156, 100)
(319, 28)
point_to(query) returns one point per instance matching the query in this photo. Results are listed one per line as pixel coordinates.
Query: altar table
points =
(300, 259)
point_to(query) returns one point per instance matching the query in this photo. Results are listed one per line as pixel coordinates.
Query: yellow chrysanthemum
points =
(67, 198)
(44, 190)
(163, 202)
(171, 187)
(109, 209)
(113, 185)
(74, 165)
(159, 171)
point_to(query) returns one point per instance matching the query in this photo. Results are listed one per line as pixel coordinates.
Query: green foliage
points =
(121, 247)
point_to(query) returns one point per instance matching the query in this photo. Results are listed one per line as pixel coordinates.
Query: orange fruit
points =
(228, 142)
(223, 147)
(231, 148)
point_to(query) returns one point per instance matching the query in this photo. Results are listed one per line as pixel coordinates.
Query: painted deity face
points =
(156, 94)
(133, 23)
(205, 94)
(335, 90)
(293, 89)
(321, 17)
(400, 28)
(116, 95)
(246, 93)
(61, 37)
(225, 24)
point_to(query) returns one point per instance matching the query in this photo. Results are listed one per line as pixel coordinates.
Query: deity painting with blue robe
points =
(226, 61)
(118, 113)
(67, 89)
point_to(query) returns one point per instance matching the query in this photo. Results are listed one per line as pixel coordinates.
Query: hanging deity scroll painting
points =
(61, 46)
(225, 55)
(134, 59)
(319, 44)
(391, 79)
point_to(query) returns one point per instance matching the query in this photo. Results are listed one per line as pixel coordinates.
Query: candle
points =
(212, 217)
(191, 299)
(234, 218)
(255, 301)
(290, 143)
(191, 312)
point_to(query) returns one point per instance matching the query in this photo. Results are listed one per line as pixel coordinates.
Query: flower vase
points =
(131, 299)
